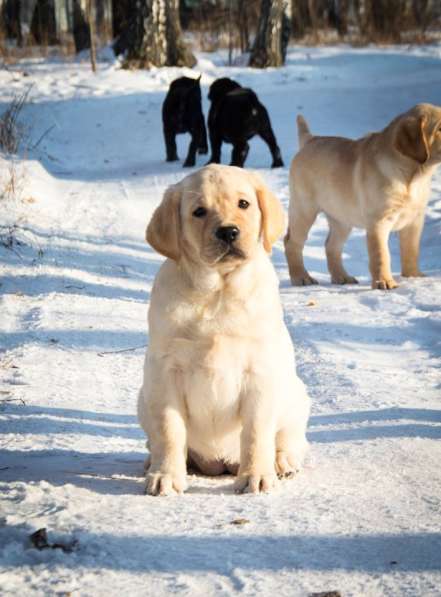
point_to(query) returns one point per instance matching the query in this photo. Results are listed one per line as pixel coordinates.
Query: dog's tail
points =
(303, 131)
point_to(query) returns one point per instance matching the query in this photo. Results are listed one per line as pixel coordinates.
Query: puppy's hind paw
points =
(413, 274)
(303, 280)
(147, 463)
(278, 163)
(285, 465)
(344, 279)
(164, 484)
(256, 483)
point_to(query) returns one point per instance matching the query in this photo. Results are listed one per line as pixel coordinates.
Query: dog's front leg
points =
(167, 438)
(257, 441)
(379, 256)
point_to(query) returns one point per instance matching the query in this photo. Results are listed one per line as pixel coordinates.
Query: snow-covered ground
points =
(363, 517)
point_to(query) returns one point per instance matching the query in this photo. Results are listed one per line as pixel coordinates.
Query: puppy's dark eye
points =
(200, 212)
(243, 204)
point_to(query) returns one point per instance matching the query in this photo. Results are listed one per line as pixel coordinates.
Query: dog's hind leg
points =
(291, 446)
(239, 154)
(267, 134)
(301, 218)
(338, 234)
(291, 442)
(216, 144)
(190, 160)
(203, 144)
(170, 145)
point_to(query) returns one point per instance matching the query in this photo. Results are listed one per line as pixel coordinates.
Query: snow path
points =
(364, 515)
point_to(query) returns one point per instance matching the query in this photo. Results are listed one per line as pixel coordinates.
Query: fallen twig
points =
(2, 400)
(46, 132)
(102, 354)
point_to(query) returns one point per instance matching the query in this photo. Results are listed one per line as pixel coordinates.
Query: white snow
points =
(363, 517)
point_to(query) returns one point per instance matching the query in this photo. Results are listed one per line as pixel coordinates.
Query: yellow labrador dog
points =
(220, 389)
(380, 182)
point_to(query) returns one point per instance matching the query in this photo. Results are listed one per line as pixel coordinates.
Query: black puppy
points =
(235, 116)
(182, 113)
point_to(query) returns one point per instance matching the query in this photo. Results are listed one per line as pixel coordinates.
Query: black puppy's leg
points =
(170, 145)
(190, 160)
(216, 143)
(266, 132)
(203, 145)
(239, 154)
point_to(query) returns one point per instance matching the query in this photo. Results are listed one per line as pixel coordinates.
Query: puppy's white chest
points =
(213, 379)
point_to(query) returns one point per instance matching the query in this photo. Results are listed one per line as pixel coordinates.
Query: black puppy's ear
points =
(163, 230)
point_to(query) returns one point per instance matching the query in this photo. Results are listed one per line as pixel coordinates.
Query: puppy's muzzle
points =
(228, 234)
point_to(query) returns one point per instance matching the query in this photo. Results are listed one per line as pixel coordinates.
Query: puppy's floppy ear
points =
(273, 216)
(411, 138)
(163, 230)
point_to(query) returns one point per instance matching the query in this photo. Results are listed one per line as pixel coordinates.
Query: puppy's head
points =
(221, 87)
(418, 134)
(217, 216)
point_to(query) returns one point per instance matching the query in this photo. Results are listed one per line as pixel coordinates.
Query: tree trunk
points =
(11, 18)
(267, 49)
(424, 12)
(153, 37)
(243, 26)
(81, 30)
(300, 18)
(341, 8)
(91, 16)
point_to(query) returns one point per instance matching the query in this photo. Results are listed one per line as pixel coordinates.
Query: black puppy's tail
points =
(303, 131)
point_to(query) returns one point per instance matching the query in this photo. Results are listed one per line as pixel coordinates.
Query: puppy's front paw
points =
(159, 483)
(256, 483)
(384, 284)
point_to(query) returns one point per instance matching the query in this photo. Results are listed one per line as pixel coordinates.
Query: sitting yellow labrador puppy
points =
(380, 182)
(220, 389)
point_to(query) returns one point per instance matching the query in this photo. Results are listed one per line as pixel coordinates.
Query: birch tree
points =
(272, 35)
(153, 36)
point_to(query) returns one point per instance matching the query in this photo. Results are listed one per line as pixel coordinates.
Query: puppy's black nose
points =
(228, 233)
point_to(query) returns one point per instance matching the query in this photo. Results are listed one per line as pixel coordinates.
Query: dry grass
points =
(14, 137)
(12, 131)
